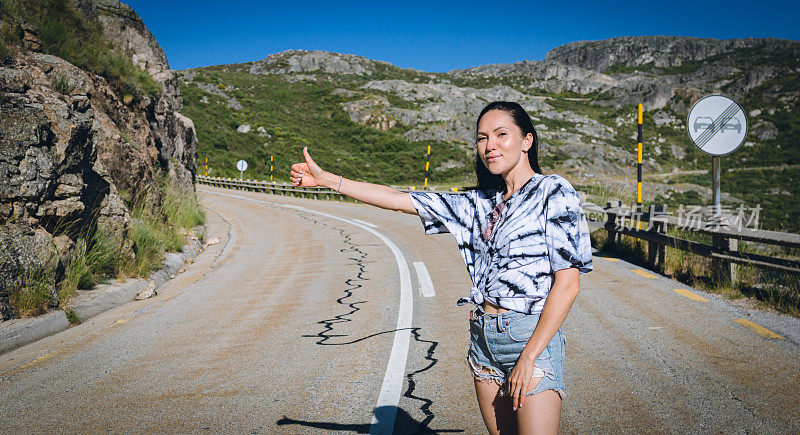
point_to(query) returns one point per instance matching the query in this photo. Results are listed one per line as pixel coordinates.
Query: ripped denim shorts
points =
(496, 342)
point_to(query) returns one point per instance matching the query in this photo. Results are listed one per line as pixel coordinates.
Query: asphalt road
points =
(299, 321)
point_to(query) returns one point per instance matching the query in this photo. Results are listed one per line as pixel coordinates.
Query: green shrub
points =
(5, 51)
(62, 84)
(10, 33)
(63, 32)
(149, 244)
(96, 256)
(72, 316)
(128, 78)
(78, 273)
(161, 228)
(33, 296)
(182, 209)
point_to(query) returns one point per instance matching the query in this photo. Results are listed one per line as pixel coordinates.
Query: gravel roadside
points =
(86, 304)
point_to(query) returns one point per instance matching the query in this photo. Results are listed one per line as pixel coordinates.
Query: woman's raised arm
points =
(309, 174)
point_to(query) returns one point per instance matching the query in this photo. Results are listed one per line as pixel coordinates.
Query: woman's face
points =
(500, 142)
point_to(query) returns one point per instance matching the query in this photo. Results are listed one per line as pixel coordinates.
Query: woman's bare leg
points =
(541, 413)
(495, 409)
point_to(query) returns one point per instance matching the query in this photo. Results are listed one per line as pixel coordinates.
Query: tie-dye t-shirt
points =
(541, 229)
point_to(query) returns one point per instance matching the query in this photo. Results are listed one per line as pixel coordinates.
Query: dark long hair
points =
(487, 180)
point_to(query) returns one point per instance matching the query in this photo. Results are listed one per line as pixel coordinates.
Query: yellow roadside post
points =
(270, 168)
(427, 166)
(639, 163)
(639, 169)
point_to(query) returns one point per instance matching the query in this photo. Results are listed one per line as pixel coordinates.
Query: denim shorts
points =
(496, 342)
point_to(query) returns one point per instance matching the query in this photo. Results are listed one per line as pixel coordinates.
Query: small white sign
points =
(241, 165)
(717, 125)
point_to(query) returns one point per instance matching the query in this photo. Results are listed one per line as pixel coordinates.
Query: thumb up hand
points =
(307, 174)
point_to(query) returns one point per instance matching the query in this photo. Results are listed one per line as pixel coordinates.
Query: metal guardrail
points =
(725, 231)
(273, 188)
(283, 189)
(723, 250)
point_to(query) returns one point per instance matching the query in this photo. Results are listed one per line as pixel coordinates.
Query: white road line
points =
(424, 278)
(386, 408)
(366, 223)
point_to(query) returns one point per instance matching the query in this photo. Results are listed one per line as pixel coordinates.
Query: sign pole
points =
(241, 165)
(717, 125)
(715, 192)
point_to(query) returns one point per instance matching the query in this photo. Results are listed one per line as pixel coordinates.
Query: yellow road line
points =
(691, 295)
(610, 259)
(122, 320)
(644, 274)
(760, 330)
(58, 351)
(34, 362)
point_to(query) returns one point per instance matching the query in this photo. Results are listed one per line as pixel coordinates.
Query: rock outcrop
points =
(661, 51)
(297, 61)
(74, 150)
(653, 70)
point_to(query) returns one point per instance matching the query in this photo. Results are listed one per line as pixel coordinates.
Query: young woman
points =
(519, 233)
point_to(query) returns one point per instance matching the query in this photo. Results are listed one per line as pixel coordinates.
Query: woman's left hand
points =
(519, 383)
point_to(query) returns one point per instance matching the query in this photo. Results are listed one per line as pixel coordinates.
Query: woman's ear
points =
(527, 142)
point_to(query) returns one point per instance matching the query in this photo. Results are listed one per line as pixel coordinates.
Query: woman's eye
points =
(502, 134)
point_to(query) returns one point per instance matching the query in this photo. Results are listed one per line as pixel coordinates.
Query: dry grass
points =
(98, 256)
(770, 289)
(33, 297)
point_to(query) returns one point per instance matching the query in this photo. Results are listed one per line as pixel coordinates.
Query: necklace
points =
(494, 219)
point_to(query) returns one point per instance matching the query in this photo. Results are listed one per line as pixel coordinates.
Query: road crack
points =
(352, 284)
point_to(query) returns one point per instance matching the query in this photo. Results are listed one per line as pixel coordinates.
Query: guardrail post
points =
(656, 252)
(611, 224)
(724, 271)
(733, 245)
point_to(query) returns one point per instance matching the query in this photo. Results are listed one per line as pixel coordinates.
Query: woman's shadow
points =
(403, 423)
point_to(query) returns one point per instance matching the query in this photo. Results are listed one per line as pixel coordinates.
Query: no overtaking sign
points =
(717, 125)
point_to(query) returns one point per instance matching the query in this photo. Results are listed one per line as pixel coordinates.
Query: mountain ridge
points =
(585, 117)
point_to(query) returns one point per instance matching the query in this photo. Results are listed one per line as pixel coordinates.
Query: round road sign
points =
(241, 165)
(717, 125)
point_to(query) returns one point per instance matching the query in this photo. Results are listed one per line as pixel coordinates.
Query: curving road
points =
(309, 314)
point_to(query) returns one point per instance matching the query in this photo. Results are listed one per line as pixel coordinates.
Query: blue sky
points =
(440, 36)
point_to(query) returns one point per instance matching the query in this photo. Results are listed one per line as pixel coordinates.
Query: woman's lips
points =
(490, 159)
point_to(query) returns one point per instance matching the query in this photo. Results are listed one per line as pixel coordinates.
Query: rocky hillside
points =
(81, 141)
(582, 98)
(583, 95)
